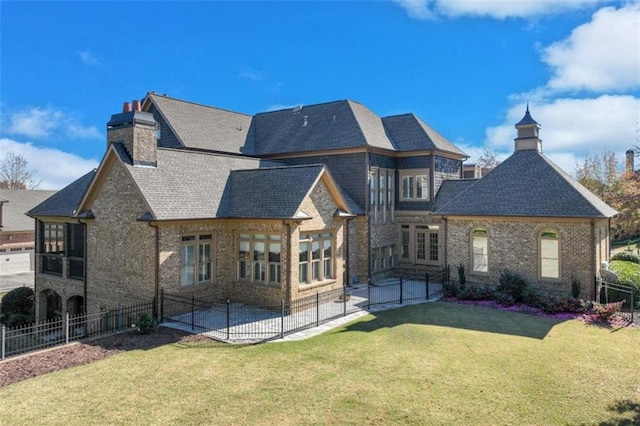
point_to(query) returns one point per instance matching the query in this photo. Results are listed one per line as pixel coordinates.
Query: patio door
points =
(426, 244)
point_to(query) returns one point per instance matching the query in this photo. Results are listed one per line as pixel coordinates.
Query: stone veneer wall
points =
(513, 246)
(120, 249)
(359, 249)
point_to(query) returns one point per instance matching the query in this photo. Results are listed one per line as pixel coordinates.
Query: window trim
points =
(268, 239)
(197, 240)
(410, 192)
(542, 237)
(319, 237)
(472, 253)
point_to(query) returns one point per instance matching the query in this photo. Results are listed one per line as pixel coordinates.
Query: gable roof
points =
(409, 133)
(66, 201)
(271, 192)
(15, 204)
(527, 184)
(332, 125)
(200, 126)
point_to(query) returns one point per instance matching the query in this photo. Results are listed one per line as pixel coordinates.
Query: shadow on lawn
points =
(445, 314)
(624, 408)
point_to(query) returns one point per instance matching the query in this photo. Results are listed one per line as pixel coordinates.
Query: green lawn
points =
(435, 363)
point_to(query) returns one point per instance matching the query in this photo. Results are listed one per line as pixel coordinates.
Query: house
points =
(17, 231)
(204, 202)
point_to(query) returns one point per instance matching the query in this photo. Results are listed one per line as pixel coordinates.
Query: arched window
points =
(480, 250)
(549, 254)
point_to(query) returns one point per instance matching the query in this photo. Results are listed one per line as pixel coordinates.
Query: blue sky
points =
(465, 67)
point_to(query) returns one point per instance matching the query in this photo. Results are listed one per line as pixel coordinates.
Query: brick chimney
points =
(136, 130)
(528, 134)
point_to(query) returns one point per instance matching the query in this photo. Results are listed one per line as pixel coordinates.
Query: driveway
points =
(9, 282)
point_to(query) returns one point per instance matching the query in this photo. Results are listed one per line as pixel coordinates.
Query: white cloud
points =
(55, 168)
(601, 55)
(38, 123)
(88, 58)
(251, 75)
(573, 127)
(496, 9)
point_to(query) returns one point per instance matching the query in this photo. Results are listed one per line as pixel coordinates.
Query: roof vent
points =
(297, 110)
(306, 121)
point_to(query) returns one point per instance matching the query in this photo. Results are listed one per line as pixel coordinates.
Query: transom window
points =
(259, 258)
(415, 186)
(549, 254)
(315, 262)
(480, 250)
(195, 260)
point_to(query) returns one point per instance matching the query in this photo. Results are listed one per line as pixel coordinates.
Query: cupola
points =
(528, 134)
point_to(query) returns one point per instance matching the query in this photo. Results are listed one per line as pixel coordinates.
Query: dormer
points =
(528, 134)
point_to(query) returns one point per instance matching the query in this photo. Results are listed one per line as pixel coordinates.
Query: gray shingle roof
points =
(527, 184)
(332, 125)
(66, 201)
(449, 190)
(186, 184)
(268, 193)
(204, 127)
(17, 203)
(409, 133)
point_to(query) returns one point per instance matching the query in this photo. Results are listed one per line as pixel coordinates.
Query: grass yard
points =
(436, 363)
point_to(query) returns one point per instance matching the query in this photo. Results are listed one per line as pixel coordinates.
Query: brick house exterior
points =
(200, 201)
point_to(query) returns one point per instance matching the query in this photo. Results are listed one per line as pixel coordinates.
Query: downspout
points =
(594, 260)
(288, 271)
(346, 274)
(36, 266)
(84, 272)
(368, 213)
(156, 290)
(445, 242)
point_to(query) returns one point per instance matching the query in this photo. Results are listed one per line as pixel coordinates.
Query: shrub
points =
(450, 289)
(18, 307)
(505, 299)
(512, 284)
(531, 297)
(462, 279)
(576, 287)
(604, 311)
(629, 274)
(475, 292)
(626, 256)
(145, 323)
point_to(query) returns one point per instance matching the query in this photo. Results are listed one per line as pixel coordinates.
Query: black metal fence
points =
(60, 331)
(616, 292)
(232, 321)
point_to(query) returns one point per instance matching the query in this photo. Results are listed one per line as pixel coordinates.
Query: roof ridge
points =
(204, 151)
(296, 166)
(152, 94)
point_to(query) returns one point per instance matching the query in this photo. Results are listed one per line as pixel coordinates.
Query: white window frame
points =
(415, 185)
(258, 269)
(546, 263)
(479, 260)
(317, 266)
(196, 242)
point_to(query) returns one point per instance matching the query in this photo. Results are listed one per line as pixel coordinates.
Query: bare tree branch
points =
(15, 173)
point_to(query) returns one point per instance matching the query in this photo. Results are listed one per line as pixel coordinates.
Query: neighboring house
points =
(17, 230)
(201, 201)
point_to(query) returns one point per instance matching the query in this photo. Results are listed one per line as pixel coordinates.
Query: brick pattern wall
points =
(514, 246)
(139, 140)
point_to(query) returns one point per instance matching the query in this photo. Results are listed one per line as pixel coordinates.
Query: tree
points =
(488, 161)
(15, 173)
(599, 173)
(18, 307)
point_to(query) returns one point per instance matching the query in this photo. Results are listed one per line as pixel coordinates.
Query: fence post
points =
(193, 300)
(66, 328)
(228, 318)
(344, 300)
(119, 324)
(426, 284)
(4, 334)
(282, 320)
(317, 309)
(369, 294)
(401, 290)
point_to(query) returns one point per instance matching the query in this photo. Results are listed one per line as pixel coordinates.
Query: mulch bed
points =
(79, 353)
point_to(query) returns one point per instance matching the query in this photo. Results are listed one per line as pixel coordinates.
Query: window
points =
(75, 250)
(415, 186)
(480, 250)
(315, 260)
(382, 178)
(372, 189)
(16, 249)
(195, 259)
(549, 255)
(259, 258)
(374, 259)
(52, 247)
(390, 251)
